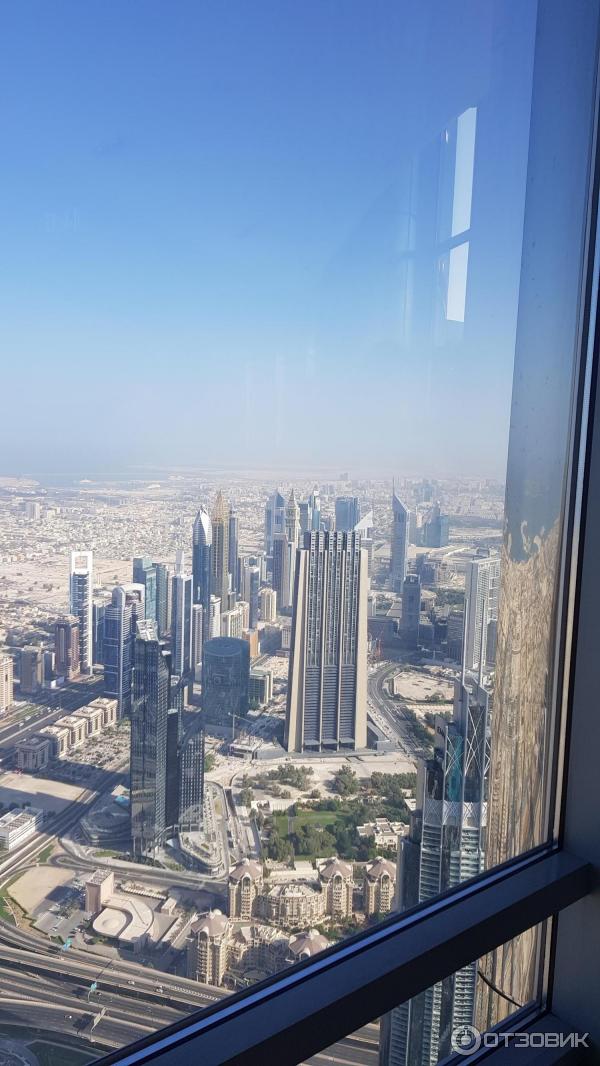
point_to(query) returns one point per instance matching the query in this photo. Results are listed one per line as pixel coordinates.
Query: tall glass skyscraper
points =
(80, 596)
(274, 519)
(120, 619)
(220, 551)
(202, 566)
(399, 542)
(181, 620)
(233, 552)
(225, 680)
(445, 846)
(327, 689)
(162, 598)
(144, 573)
(347, 513)
(148, 763)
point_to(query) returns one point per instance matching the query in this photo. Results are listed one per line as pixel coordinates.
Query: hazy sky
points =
(225, 231)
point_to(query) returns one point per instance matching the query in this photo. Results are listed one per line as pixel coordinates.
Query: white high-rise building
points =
(482, 586)
(327, 691)
(214, 619)
(267, 600)
(6, 681)
(399, 542)
(80, 590)
(181, 619)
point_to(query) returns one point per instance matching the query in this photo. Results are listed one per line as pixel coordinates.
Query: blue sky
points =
(220, 233)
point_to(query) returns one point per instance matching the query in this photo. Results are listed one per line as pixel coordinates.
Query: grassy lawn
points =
(46, 853)
(282, 822)
(5, 912)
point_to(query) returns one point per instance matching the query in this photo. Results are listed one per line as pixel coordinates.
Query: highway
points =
(391, 712)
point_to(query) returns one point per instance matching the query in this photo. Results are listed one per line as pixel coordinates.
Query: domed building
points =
(293, 904)
(305, 945)
(379, 886)
(245, 885)
(209, 947)
(338, 884)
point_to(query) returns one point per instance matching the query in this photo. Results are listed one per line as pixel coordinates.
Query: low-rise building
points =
(17, 826)
(109, 707)
(59, 737)
(77, 728)
(93, 718)
(384, 832)
(34, 752)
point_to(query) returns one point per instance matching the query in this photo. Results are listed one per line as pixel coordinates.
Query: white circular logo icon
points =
(465, 1039)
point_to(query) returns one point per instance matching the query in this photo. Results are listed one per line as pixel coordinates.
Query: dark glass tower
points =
(191, 781)
(162, 598)
(225, 680)
(120, 618)
(172, 776)
(445, 846)
(149, 738)
(144, 573)
(347, 513)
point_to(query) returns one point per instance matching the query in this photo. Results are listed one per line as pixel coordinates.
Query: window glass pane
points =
(290, 308)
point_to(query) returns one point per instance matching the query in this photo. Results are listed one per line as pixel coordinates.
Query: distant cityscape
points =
(240, 720)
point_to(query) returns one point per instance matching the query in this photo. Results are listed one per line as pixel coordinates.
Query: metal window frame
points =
(295, 1015)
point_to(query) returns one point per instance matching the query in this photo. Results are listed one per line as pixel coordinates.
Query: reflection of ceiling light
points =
(446, 136)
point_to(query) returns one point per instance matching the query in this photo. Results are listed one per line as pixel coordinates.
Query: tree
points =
(345, 782)
(209, 762)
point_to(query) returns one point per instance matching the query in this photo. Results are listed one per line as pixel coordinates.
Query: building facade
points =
(327, 691)
(399, 542)
(80, 589)
(148, 762)
(225, 680)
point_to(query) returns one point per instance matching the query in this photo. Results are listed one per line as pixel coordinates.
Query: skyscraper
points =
(233, 556)
(267, 600)
(411, 609)
(162, 598)
(445, 846)
(66, 646)
(214, 618)
(436, 528)
(172, 767)
(191, 781)
(292, 521)
(6, 681)
(305, 516)
(80, 588)
(120, 619)
(399, 542)
(315, 510)
(220, 551)
(181, 620)
(347, 513)
(327, 691)
(225, 680)
(197, 639)
(148, 763)
(281, 570)
(144, 573)
(32, 669)
(202, 566)
(274, 519)
(482, 585)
